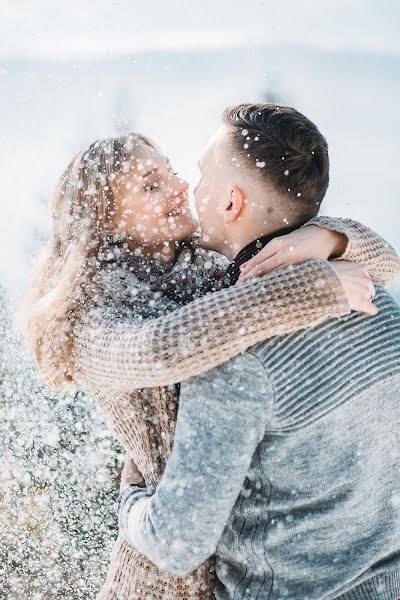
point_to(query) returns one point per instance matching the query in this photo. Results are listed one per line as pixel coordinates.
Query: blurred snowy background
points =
(70, 73)
(73, 72)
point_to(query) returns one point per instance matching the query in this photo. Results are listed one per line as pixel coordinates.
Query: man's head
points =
(266, 168)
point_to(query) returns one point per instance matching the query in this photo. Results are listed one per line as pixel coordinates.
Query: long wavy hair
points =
(81, 240)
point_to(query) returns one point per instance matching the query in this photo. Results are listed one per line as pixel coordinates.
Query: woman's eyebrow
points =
(155, 170)
(148, 173)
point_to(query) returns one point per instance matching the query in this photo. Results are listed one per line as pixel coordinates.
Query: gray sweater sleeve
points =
(221, 419)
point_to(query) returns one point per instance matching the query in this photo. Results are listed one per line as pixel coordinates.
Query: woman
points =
(118, 303)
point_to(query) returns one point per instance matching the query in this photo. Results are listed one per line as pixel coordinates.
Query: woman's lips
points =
(180, 209)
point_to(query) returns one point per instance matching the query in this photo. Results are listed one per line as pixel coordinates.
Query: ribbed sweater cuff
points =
(126, 500)
(385, 586)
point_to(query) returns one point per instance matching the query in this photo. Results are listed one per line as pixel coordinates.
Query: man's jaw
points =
(207, 241)
(222, 246)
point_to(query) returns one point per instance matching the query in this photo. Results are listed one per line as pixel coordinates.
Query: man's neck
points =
(234, 246)
(250, 250)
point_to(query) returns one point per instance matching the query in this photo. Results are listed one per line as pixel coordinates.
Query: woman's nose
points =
(182, 186)
(182, 182)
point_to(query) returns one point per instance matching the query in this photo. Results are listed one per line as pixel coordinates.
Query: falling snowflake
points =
(57, 486)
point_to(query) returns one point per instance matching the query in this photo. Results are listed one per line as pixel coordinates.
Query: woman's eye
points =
(152, 187)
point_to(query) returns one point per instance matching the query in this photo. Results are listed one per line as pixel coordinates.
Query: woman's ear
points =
(234, 205)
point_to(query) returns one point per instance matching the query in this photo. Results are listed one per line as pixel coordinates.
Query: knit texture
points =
(285, 466)
(143, 331)
(364, 248)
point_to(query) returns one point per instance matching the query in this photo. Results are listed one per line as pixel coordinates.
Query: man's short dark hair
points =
(284, 148)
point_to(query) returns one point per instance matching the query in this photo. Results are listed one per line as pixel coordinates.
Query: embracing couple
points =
(278, 475)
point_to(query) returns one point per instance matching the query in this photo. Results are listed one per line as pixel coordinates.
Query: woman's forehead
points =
(145, 158)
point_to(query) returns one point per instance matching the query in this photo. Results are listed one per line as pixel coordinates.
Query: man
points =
(286, 458)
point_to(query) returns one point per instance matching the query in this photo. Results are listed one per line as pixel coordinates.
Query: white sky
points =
(67, 28)
(48, 108)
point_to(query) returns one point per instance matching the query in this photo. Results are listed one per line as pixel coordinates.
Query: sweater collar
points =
(246, 253)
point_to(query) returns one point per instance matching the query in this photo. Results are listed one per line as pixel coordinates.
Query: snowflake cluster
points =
(58, 484)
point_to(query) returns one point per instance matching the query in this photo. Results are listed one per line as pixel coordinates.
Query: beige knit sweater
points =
(143, 330)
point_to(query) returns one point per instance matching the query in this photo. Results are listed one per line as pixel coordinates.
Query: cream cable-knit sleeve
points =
(126, 354)
(364, 246)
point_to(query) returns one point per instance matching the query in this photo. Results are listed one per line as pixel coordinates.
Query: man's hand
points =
(358, 286)
(294, 248)
(131, 474)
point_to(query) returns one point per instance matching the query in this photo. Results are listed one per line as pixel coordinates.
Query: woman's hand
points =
(131, 474)
(357, 285)
(294, 248)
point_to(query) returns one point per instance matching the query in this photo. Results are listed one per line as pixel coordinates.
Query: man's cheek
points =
(202, 205)
(219, 211)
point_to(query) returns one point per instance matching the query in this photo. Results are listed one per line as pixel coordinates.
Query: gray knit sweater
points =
(286, 465)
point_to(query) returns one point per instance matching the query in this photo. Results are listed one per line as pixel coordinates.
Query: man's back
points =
(319, 512)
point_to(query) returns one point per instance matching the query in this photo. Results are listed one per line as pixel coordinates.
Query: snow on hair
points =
(82, 227)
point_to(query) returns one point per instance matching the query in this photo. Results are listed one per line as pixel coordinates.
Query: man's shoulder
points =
(352, 325)
(246, 365)
(385, 300)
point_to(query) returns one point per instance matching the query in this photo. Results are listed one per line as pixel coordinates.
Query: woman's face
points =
(151, 201)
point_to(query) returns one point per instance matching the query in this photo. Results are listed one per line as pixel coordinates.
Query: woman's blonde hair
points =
(82, 232)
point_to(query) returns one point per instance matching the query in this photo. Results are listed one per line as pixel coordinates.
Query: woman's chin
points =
(184, 228)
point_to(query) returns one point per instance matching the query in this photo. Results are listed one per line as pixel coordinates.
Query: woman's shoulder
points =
(117, 293)
(204, 267)
(116, 280)
(194, 251)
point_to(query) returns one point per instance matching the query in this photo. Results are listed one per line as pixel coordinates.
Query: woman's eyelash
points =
(156, 185)
(151, 188)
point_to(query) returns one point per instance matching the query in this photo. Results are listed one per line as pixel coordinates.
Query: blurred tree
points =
(273, 92)
(272, 97)
(123, 111)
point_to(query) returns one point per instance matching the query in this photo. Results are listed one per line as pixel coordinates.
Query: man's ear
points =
(234, 205)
